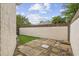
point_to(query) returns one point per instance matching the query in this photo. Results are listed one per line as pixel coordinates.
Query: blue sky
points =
(36, 12)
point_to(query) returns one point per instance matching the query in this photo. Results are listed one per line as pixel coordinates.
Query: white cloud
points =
(35, 18)
(35, 7)
(62, 10)
(47, 5)
(20, 13)
(23, 14)
(42, 8)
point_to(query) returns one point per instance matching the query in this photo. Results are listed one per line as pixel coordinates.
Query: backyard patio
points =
(57, 36)
(44, 47)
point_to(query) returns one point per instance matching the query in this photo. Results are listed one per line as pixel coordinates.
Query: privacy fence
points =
(58, 32)
(74, 34)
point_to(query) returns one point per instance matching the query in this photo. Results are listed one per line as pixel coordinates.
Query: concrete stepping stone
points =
(30, 51)
(55, 50)
(65, 47)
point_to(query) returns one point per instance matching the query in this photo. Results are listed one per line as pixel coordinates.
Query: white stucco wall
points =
(74, 36)
(54, 32)
(8, 29)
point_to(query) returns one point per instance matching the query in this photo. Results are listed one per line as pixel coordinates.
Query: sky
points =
(37, 12)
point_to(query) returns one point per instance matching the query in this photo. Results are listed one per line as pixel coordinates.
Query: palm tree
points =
(70, 11)
(58, 20)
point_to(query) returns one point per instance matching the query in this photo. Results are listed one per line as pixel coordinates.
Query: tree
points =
(45, 22)
(70, 11)
(22, 21)
(58, 20)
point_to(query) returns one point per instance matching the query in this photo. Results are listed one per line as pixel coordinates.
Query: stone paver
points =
(53, 48)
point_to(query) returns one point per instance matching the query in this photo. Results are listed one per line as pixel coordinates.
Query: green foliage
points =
(22, 21)
(70, 11)
(45, 22)
(58, 20)
(24, 38)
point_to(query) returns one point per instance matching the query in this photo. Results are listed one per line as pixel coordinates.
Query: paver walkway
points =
(44, 47)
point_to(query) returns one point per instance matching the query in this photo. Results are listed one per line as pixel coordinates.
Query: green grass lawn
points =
(25, 38)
